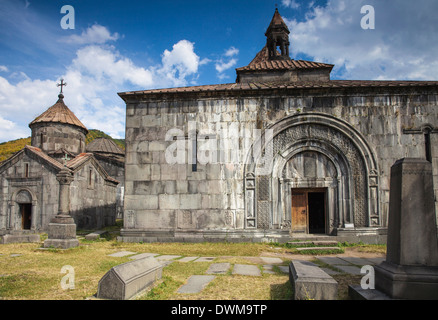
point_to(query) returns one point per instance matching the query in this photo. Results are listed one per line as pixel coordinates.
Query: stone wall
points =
(92, 199)
(51, 137)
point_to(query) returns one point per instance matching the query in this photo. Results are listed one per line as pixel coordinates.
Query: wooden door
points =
(299, 212)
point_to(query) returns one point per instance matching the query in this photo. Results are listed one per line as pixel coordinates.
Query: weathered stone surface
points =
(187, 259)
(411, 267)
(126, 280)
(247, 270)
(333, 261)
(357, 293)
(218, 268)
(195, 284)
(11, 238)
(167, 257)
(350, 269)
(143, 255)
(121, 254)
(205, 259)
(271, 260)
(61, 235)
(319, 249)
(310, 282)
(95, 235)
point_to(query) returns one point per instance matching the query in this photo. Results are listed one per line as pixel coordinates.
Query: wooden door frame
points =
(307, 191)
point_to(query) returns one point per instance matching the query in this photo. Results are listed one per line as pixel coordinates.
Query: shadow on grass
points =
(281, 291)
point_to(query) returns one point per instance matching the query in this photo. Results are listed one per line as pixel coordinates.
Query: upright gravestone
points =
(411, 267)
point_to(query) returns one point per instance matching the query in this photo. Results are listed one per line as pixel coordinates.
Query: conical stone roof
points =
(59, 113)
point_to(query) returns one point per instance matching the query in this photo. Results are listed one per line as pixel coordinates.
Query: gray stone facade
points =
(226, 161)
(343, 140)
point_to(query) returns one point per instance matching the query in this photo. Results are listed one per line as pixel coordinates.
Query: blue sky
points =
(134, 45)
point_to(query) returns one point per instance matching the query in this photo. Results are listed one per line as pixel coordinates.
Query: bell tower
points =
(278, 38)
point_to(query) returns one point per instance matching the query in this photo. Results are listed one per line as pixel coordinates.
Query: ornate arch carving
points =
(342, 143)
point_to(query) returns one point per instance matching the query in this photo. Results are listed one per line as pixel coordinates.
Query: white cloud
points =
(290, 3)
(10, 131)
(222, 66)
(232, 52)
(93, 79)
(402, 45)
(96, 34)
(226, 62)
(105, 63)
(178, 64)
(4, 69)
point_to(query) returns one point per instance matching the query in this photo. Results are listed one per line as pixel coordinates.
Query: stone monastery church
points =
(284, 151)
(30, 180)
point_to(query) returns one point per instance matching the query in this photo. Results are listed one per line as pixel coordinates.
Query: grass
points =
(223, 287)
(36, 274)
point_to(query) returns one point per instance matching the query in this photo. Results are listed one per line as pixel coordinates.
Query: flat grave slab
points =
(218, 268)
(333, 261)
(187, 259)
(195, 284)
(143, 255)
(357, 261)
(353, 270)
(247, 270)
(271, 260)
(205, 259)
(121, 254)
(167, 257)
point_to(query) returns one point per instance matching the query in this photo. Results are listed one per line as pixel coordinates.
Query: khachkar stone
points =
(62, 228)
(411, 267)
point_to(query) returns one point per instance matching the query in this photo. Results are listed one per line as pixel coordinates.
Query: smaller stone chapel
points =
(29, 184)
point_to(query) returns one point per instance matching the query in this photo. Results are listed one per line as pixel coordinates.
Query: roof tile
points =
(59, 113)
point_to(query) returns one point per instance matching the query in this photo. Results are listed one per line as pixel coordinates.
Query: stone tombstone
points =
(311, 282)
(411, 267)
(124, 281)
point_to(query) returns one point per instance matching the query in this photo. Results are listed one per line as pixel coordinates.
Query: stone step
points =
(319, 249)
(325, 243)
(316, 243)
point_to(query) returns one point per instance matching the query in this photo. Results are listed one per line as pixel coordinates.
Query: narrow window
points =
(90, 174)
(428, 147)
(194, 155)
(41, 140)
(26, 170)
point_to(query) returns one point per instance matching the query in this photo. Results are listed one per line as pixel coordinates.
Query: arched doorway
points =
(322, 162)
(25, 208)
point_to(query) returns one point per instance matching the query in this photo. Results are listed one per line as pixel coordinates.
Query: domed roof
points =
(59, 113)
